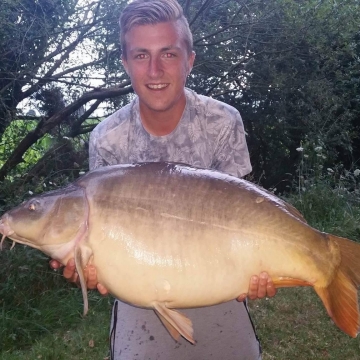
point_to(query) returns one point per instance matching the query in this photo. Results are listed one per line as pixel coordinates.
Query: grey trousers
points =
(221, 332)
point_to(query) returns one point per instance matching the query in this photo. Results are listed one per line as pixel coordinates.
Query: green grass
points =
(40, 313)
(294, 325)
(335, 211)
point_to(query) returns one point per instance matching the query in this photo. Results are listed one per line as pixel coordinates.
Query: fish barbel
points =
(164, 236)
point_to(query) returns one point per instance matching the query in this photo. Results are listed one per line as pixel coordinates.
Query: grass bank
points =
(41, 314)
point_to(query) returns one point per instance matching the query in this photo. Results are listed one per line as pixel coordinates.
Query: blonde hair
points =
(152, 12)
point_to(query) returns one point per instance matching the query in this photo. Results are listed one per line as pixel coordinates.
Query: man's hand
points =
(260, 286)
(71, 275)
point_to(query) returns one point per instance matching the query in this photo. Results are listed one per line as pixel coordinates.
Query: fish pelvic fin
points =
(340, 296)
(172, 331)
(175, 322)
(82, 257)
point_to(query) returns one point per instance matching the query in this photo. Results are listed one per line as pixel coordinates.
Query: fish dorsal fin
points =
(175, 322)
(266, 194)
(295, 212)
(82, 257)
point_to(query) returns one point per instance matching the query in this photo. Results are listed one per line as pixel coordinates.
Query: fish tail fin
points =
(340, 296)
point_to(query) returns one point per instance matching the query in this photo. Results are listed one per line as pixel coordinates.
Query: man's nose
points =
(155, 67)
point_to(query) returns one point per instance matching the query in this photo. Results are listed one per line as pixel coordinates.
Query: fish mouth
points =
(8, 232)
(5, 230)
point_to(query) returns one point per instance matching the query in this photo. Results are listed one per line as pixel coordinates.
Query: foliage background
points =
(292, 69)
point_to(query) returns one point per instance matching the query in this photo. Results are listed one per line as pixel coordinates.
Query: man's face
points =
(158, 64)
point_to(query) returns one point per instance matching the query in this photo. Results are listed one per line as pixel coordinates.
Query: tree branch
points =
(202, 8)
(76, 125)
(45, 126)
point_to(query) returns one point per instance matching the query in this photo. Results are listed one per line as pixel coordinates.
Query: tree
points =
(300, 85)
(289, 66)
(41, 45)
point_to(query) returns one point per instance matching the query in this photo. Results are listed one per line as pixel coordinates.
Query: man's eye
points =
(140, 56)
(169, 55)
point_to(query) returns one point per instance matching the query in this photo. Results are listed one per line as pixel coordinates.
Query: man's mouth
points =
(157, 86)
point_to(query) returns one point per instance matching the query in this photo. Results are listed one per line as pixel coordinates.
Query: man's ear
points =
(125, 64)
(191, 61)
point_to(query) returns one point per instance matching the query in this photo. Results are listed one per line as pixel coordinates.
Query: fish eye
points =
(32, 207)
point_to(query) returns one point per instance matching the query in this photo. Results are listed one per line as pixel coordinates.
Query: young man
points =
(167, 122)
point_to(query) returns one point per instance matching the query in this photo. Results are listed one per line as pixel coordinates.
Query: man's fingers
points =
(262, 289)
(54, 264)
(270, 288)
(69, 270)
(71, 275)
(102, 289)
(260, 286)
(91, 277)
(241, 297)
(253, 288)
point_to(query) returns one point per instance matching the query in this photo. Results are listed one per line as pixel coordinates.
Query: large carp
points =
(166, 236)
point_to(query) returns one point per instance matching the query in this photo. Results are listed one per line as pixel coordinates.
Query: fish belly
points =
(183, 263)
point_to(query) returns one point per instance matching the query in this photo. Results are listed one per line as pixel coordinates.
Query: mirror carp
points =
(165, 236)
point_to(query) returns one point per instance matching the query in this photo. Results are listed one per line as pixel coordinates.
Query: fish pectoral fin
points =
(284, 281)
(82, 257)
(175, 322)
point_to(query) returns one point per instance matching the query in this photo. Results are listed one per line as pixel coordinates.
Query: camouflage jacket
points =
(210, 134)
